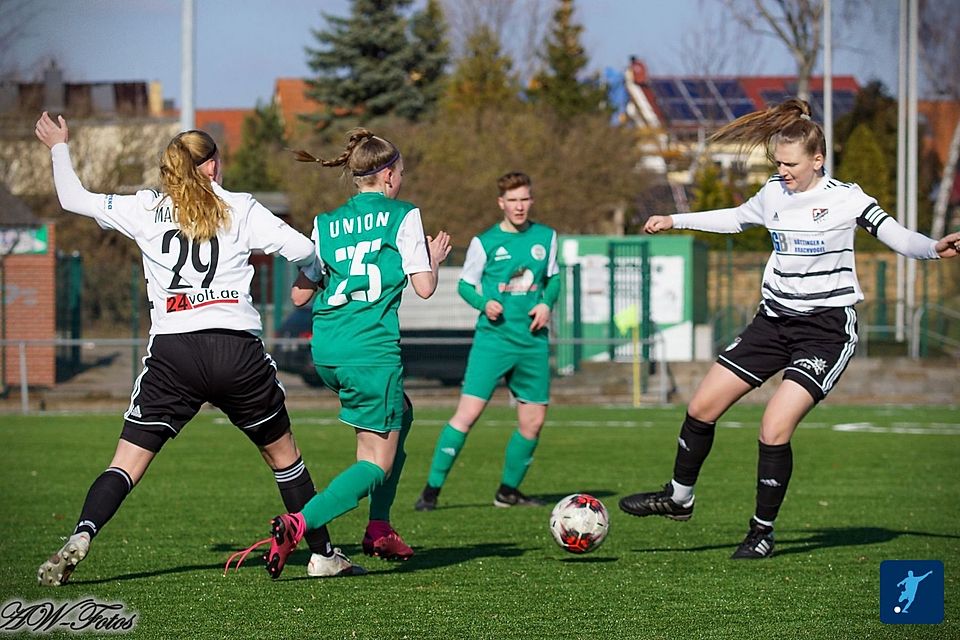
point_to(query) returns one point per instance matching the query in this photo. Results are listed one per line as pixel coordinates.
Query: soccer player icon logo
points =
(909, 584)
(903, 599)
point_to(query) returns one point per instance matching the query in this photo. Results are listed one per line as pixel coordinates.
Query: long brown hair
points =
(200, 211)
(786, 122)
(364, 156)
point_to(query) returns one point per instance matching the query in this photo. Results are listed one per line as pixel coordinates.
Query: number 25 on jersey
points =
(360, 274)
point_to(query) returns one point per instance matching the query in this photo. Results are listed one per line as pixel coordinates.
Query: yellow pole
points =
(635, 333)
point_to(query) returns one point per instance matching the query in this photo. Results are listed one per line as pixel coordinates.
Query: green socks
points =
(343, 493)
(383, 496)
(448, 448)
(519, 455)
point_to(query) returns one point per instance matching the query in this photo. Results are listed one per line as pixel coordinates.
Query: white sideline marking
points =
(934, 428)
(909, 428)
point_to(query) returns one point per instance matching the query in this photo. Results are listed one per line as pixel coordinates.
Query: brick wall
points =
(30, 309)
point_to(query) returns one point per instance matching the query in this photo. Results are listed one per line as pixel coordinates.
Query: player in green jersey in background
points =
(510, 277)
(368, 247)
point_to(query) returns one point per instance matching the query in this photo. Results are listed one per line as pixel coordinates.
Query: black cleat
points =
(509, 497)
(428, 499)
(757, 545)
(657, 503)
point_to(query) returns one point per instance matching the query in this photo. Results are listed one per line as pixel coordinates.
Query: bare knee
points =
(530, 420)
(468, 412)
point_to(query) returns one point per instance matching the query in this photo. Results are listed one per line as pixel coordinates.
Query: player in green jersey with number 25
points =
(368, 247)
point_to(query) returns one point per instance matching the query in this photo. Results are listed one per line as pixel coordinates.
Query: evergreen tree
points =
(251, 168)
(875, 108)
(711, 192)
(483, 79)
(368, 65)
(428, 30)
(559, 85)
(865, 163)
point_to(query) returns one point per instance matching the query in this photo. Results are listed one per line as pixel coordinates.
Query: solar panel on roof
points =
(729, 89)
(679, 110)
(773, 96)
(712, 111)
(697, 88)
(665, 88)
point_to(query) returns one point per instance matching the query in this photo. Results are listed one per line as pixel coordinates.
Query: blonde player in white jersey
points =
(806, 325)
(196, 239)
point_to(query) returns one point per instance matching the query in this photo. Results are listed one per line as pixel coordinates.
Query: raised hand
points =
(439, 248)
(50, 132)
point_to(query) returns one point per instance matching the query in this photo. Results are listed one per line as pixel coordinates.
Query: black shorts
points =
(229, 369)
(811, 350)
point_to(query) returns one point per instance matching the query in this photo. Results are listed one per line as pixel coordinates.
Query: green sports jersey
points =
(513, 269)
(361, 243)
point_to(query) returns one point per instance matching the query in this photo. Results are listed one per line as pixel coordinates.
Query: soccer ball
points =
(579, 523)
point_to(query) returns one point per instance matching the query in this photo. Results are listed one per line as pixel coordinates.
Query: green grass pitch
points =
(869, 484)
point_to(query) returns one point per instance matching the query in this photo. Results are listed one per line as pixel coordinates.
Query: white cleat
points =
(56, 571)
(334, 566)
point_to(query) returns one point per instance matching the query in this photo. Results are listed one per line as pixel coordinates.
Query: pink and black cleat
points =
(286, 531)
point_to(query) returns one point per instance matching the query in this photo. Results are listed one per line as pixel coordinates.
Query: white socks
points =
(682, 494)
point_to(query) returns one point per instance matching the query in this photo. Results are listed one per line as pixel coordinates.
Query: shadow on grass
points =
(817, 539)
(431, 558)
(140, 575)
(549, 498)
(848, 537)
(590, 560)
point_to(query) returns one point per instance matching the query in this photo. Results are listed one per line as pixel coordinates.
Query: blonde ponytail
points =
(786, 122)
(200, 211)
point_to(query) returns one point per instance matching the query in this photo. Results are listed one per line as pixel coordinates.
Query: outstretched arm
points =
(73, 197)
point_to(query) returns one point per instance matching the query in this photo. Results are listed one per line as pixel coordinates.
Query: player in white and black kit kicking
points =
(806, 324)
(196, 239)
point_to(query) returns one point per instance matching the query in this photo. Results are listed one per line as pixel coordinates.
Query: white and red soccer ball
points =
(579, 523)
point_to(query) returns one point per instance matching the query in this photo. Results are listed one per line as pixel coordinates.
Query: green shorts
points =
(527, 373)
(371, 397)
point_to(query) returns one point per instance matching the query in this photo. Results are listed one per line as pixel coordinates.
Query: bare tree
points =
(519, 24)
(795, 23)
(940, 46)
(939, 52)
(16, 16)
(715, 45)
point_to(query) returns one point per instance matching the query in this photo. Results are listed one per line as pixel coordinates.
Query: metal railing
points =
(921, 335)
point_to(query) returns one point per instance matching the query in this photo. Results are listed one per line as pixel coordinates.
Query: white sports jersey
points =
(191, 286)
(812, 265)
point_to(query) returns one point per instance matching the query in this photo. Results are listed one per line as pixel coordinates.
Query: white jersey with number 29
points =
(191, 285)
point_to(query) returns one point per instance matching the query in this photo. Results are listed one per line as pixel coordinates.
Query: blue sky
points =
(243, 45)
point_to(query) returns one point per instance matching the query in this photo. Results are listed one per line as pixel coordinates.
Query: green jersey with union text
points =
(369, 246)
(512, 268)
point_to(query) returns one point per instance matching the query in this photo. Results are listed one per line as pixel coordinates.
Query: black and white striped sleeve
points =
(887, 230)
(871, 218)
